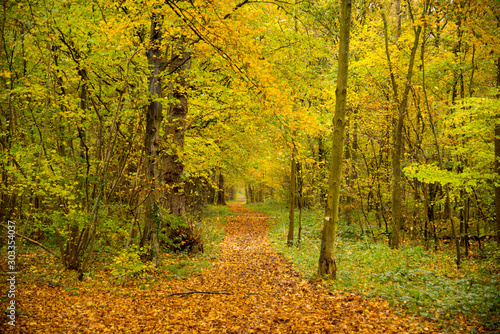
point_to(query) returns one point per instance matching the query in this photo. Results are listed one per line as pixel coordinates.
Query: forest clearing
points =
(293, 166)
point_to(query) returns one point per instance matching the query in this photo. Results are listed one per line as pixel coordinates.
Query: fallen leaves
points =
(250, 289)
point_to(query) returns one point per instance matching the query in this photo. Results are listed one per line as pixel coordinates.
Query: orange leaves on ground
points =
(251, 289)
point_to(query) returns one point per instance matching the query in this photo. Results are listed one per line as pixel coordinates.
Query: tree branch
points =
(32, 241)
(200, 292)
(236, 8)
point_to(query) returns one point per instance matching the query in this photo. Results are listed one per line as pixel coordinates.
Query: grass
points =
(212, 227)
(417, 281)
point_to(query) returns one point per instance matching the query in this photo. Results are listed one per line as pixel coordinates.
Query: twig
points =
(201, 292)
(50, 284)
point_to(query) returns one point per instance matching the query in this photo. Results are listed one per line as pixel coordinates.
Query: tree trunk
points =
(497, 161)
(397, 7)
(220, 191)
(173, 165)
(397, 147)
(327, 266)
(350, 156)
(293, 178)
(322, 162)
(300, 202)
(211, 189)
(250, 198)
(154, 115)
(440, 157)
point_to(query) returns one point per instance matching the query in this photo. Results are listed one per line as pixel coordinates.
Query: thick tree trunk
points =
(327, 266)
(173, 164)
(154, 115)
(249, 193)
(397, 7)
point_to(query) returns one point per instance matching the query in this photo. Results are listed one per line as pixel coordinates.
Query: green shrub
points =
(127, 263)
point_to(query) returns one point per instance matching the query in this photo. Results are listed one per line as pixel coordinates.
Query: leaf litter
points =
(250, 289)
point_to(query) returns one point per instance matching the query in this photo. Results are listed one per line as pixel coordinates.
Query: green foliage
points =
(128, 263)
(172, 223)
(470, 128)
(186, 266)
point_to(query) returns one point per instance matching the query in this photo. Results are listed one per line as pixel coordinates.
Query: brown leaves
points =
(251, 289)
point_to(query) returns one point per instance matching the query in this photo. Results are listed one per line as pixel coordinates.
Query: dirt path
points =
(250, 289)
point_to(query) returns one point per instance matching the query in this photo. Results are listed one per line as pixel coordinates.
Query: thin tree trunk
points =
(300, 202)
(247, 194)
(440, 158)
(350, 157)
(497, 161)
(327, 266)
(398, 133)
(291, 215)
(322, 162)
(397, 6)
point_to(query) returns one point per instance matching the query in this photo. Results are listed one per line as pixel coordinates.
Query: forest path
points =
(250, 289)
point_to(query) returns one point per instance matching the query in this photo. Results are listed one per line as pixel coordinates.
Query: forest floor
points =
(249, 289)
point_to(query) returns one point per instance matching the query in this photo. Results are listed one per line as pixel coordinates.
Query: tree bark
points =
(300, 201)
(173, 164)
(397, 148)
(497, 161)
(327, 266)
(154, 115)
(448, 211)
(221, 200)
(397, 7)
(291, 215)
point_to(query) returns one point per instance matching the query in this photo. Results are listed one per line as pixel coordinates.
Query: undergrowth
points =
(422, 282)
(118, 266)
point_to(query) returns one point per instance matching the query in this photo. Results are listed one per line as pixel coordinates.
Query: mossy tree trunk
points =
(327, 266)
